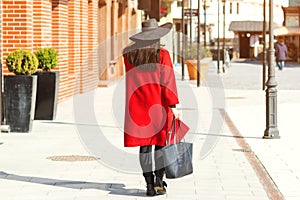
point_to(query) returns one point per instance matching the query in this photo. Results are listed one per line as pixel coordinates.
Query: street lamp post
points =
(191, 24)
(264, 62)
(198, 46)
(182, 42)
(224, 36)
(218, 64)
(204, 9)
(271, 91)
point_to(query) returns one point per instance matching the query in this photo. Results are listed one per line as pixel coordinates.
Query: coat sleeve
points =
(167, 80)
(276, 49)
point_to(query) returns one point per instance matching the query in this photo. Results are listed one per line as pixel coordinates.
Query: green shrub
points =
(22, 62)
(191, 52)
(48, 58)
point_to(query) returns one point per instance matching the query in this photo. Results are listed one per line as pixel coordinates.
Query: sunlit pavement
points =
(225, 172)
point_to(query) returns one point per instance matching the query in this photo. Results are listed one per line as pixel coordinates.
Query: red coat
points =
(149, 93)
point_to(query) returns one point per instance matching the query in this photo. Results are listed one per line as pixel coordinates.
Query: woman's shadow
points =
(112, 188)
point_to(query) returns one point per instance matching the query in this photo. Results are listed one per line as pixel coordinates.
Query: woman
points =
(150, 93)
(280, 53)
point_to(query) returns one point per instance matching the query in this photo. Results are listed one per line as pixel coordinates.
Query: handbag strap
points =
(173, 127)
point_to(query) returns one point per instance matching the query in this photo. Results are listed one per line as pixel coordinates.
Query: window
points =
(292, 20)
(237, 8)
(230, 8)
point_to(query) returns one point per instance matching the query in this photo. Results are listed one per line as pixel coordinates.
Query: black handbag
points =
(178, 156)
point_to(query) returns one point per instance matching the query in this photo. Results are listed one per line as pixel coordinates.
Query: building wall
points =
(80, 30)
(235, 10)
(241, 10)
(294, 3)
(114, 30)
(42, 27)
(16, 26)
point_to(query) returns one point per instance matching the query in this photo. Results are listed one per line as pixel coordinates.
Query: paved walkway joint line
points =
(261, 172)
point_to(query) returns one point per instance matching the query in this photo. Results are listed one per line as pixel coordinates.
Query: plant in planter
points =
(48, 58)
(47, 86)
(20, 90)
(191, 61)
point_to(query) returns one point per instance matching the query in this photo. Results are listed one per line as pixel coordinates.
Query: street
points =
(247, 74)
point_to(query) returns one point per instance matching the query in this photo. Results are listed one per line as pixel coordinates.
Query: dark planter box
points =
(19, 102)
(46, 97)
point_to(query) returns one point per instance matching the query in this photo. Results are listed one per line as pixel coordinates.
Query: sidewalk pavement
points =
(279, 156)
(227, 171)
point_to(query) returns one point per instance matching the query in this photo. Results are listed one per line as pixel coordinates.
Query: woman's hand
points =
(177, 113)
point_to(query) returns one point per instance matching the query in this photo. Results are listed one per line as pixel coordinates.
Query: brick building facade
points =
(88, 34)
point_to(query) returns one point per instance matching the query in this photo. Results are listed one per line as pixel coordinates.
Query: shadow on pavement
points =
(230, 136)
(246, 61)
(79, 124)
(112, 188)
(292, 65)
(288, 64)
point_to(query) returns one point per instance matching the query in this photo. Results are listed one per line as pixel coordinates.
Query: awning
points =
(248, 26)
(282, 31)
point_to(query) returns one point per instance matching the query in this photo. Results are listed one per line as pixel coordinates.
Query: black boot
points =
(150, 185)
(159, 183)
